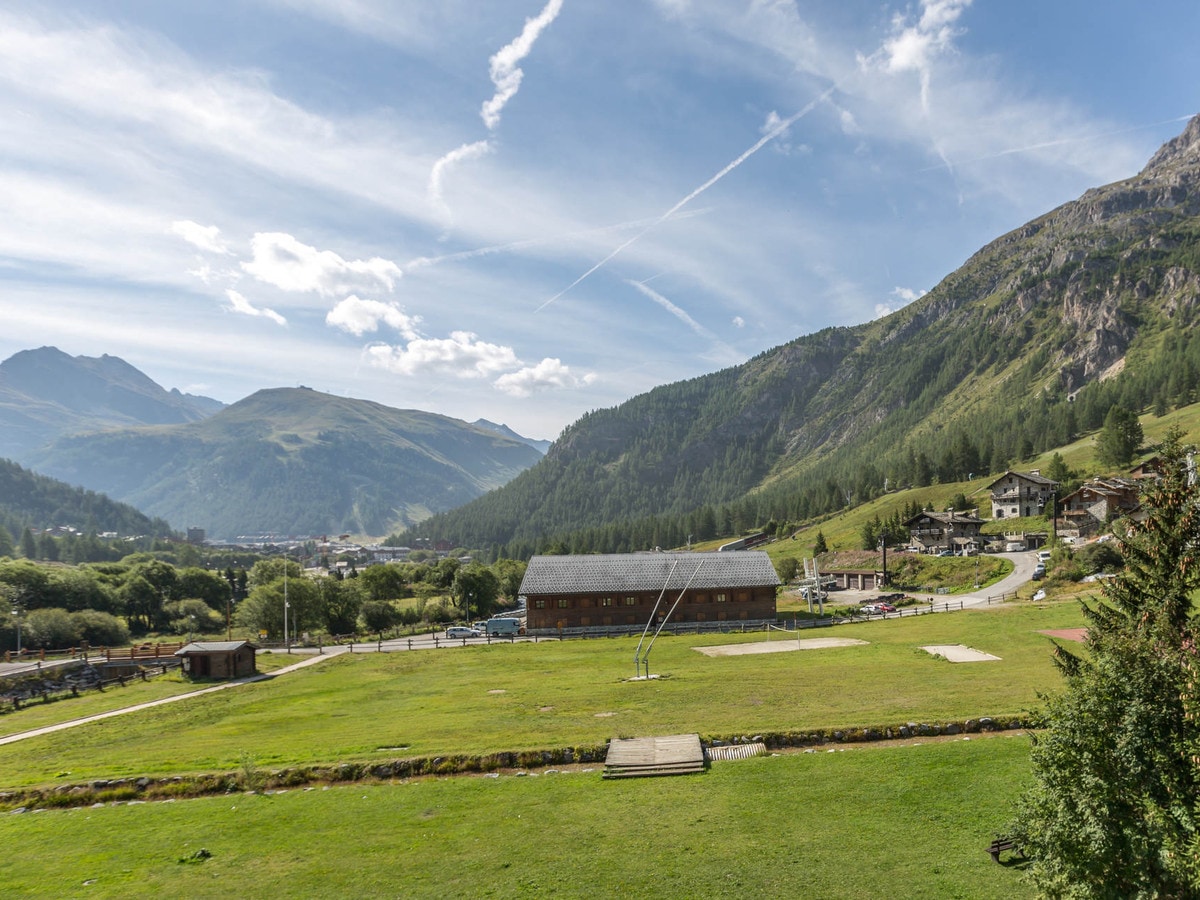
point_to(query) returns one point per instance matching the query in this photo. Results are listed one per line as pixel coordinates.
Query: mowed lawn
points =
(868, 821)
(484, 699)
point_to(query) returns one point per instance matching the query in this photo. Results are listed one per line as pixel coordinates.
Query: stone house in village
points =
(1016, 494)
(936, 532)
(1084, 511)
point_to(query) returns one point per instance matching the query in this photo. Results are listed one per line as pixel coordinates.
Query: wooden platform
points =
(676, 754)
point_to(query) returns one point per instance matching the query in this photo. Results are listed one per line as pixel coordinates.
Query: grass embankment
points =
(860, 823)
(379, 707)
(63, 707)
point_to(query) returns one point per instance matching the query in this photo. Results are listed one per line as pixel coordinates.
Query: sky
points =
(524, 210)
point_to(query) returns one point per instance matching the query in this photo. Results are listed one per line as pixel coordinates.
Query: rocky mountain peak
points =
(1182, 149)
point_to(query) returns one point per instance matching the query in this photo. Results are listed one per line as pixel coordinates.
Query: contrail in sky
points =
(1059, 143)
(754, 148)
(422, 261)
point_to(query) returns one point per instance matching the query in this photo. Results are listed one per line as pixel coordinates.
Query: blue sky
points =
(524, 210)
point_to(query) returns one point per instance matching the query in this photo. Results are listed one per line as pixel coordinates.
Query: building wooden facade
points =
(1097, 503)
(218, 659)
(622, 589)
(934, 532)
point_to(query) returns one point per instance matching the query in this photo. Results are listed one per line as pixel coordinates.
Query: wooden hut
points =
(218, 659)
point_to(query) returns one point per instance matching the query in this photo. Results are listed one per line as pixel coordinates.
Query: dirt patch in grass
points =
(778, 646)
(1067, 634)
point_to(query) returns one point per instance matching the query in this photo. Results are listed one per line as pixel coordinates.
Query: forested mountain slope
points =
(296, 461)
(31, 500)
(1027, 344)
(45, 393)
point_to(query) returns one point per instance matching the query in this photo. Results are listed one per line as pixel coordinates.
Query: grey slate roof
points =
(1028, 476)
(618, 572)
(213, 647)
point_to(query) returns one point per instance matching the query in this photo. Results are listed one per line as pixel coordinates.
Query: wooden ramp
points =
(676, 754)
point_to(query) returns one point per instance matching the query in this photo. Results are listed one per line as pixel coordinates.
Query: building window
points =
(562, 602)
(720, 598)
(606, 601)
(539, 604)
(631, 601)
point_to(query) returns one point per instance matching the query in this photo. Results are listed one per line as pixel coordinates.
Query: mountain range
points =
(289, 460)
(1020, 350)
(46, 393)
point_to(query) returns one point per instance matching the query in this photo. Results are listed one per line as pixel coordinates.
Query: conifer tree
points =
(1114, 808)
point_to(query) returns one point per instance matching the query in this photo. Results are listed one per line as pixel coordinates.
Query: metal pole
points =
(287, 638)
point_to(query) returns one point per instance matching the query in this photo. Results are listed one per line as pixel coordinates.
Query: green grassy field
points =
(378, 707)
(910, 820)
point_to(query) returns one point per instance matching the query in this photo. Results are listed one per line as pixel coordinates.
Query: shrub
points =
(101, 629)
(50, 629)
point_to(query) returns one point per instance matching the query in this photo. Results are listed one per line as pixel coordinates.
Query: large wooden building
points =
(622, 589)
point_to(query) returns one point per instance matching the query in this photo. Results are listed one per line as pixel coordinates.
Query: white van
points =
(504, 626)
(1044, 556)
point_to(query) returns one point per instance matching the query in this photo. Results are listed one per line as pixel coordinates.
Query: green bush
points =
(50, 629)
(101, 629)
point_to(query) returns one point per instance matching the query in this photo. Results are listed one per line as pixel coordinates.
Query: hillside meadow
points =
(484, 699)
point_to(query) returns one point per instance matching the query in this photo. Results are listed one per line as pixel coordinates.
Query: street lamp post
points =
(287, 638)
(17, 613)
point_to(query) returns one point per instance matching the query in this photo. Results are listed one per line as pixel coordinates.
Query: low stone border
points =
(780, 740)
(249, 780)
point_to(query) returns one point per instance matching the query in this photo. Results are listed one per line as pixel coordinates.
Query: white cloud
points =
(506, 75)
(904, 295)
(739, 322)
(462, 355)
(549, 374)
(206, 237)
(358, 316)
(282, 261)
(908, 295)
(914, 46)
(239, 304)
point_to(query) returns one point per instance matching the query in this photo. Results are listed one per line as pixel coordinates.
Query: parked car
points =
(876, 609)
(1039, 572)
(462, 631)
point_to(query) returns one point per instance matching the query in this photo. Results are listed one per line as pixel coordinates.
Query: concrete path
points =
(265, 676)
